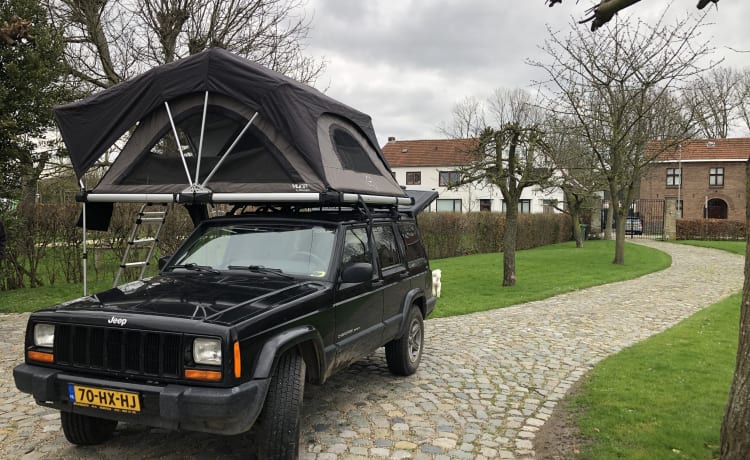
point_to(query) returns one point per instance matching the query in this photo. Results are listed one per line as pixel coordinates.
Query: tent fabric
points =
(301, 139)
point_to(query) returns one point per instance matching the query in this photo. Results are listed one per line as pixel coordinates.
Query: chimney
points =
(391, 139)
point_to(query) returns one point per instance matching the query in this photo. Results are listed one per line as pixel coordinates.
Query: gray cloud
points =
(407, 62)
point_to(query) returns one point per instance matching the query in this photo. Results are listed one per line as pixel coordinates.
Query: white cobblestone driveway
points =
(487, 382)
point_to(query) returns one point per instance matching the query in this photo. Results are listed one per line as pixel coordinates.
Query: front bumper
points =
(179, 407)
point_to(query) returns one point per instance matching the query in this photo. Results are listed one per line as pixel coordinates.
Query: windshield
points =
(269, 249)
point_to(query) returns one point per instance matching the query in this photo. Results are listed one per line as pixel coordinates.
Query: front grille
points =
(147, 353)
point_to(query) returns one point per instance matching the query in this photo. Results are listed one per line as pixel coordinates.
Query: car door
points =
(393, 273)
(358, 307)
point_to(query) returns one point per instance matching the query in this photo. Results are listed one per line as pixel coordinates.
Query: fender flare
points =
(414, 297)
(284, 341)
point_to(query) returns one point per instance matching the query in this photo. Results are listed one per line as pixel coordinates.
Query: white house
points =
(431, 164)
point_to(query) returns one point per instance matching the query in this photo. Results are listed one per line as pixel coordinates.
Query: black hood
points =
(214, 298)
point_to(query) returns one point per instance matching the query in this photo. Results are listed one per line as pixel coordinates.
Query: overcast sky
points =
(407, 62)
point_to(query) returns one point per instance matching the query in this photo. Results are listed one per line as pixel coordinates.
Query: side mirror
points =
(359, 272)
(163, 262)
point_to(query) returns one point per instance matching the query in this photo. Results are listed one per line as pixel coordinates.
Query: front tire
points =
(85, 430)
(404, 354)
(278, 434)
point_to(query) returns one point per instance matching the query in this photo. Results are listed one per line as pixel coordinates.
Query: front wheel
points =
(404, 354)
(278, 434)
(85, 430)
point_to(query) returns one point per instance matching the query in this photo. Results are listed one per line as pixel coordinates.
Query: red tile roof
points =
(430, 152)
(709, 149)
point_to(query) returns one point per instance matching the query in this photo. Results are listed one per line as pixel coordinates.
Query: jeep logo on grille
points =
(117, 321)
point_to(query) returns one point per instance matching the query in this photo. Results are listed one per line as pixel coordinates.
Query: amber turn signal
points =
(41, 356)
(197, 374)
(237, 360)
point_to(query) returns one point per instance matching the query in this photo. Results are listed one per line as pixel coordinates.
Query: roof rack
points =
(329, 198)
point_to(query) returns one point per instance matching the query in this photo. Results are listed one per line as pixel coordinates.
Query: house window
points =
(393, 173)
(448, 178)
(548, 206)
(524, 206)
(674, 177)
(485, 205)
(679, 209)
(716, 177)
(414, 178)
(448, 205)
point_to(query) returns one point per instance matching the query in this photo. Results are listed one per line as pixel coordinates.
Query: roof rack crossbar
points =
(312, 198)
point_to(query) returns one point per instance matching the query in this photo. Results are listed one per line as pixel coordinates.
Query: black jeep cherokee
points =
(238, 318)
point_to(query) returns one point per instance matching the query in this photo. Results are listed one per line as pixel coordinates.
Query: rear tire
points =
(85, 430)
(278, 433)
(404, 354)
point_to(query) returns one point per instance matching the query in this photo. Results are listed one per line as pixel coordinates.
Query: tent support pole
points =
(200, 144)
(85, 256)
(177, 141)
(229, 150)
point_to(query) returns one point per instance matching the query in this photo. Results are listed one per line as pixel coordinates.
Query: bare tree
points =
(743, 94)
(735, 428)
(109, 41)
(576, 171)
(605, 10)
(510, 154)
(619, 88)
(467, 118)
(715, 99)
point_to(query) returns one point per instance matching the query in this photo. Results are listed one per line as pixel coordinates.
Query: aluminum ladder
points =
(150, 215)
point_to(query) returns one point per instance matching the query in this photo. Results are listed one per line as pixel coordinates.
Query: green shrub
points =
(710, 229)
(448, 234)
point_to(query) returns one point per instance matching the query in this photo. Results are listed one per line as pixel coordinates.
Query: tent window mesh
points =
(161, 164)
(351, 153)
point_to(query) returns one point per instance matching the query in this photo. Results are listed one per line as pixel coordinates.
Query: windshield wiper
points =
(261, 269)
(197, 268)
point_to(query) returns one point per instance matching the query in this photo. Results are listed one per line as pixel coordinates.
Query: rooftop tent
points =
(217, 125)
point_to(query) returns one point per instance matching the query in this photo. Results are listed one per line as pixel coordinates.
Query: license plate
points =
(103, 398)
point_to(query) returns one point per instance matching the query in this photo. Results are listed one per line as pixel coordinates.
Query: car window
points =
(292, 249)
(356, 247)
(414, 248)
(387, 247)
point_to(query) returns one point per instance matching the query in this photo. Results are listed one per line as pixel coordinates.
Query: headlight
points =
(207, 351)
(44, 335)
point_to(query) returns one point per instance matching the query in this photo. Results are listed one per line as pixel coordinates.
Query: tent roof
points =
(91, 126)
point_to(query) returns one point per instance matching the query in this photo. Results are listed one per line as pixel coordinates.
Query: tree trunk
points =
(607, 224)
(509, 244)
(575, 219)
(619, 239)
(735, 429)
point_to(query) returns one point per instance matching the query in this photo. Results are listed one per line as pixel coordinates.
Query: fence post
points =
(670, 218)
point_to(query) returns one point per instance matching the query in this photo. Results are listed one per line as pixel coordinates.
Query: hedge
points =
(448, 234)
(710, 229)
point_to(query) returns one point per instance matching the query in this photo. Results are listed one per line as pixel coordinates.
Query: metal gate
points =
(645, 220)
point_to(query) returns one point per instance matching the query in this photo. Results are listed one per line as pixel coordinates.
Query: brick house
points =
(705, 176)
(431, 164)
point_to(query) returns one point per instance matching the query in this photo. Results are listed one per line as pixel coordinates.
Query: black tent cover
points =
(301, 140)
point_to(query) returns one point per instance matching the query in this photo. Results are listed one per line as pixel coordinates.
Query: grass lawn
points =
(474, 283)
(664, 397)
(737, 247)
(21, 300)
(471, 283)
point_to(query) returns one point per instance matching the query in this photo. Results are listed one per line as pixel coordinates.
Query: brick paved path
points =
(487, 382)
